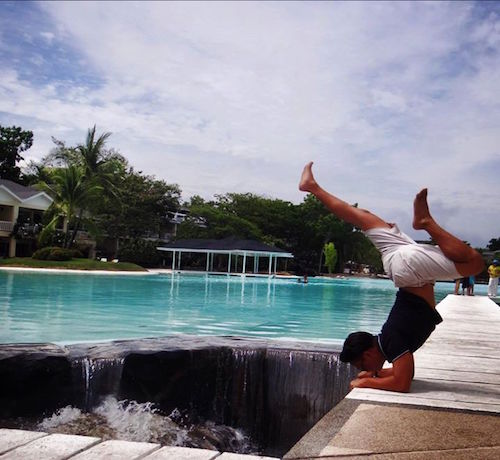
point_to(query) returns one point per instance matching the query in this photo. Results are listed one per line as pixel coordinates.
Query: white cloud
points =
(48, 37)
(236, 96)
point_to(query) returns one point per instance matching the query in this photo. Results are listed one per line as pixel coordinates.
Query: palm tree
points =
(92, 155)
(97, 162)
(72, 192)
(101, 166)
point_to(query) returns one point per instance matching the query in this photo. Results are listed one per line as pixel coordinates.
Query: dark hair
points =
(355, 345)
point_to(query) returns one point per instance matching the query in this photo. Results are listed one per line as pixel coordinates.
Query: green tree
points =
(330, 256)
(71, 193)
(494, 244)
(92, 153)
(13, 141)
(143, 203)
(103, 166)
(209, 221)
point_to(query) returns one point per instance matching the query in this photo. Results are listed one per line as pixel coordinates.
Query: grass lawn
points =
(73, 264)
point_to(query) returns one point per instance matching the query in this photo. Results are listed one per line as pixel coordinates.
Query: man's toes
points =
(422, 194)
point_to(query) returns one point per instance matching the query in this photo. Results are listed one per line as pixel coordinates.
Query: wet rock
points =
(34, 383)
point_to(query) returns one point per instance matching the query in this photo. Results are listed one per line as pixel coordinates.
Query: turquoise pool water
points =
(66, 308)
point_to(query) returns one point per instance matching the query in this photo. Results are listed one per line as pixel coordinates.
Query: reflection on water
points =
(46, 307)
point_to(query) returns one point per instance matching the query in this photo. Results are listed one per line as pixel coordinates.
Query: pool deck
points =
(452, 411)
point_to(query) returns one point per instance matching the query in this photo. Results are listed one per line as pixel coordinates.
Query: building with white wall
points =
(18, 204)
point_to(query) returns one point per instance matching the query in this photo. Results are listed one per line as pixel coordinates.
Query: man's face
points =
(369, 361)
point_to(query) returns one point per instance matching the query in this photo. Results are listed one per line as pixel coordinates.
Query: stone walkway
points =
(452, 411)
(30, 445)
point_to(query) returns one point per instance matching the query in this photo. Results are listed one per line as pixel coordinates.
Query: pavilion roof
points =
(225, 245)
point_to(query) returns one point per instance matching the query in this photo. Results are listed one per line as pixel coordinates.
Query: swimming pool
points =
(70, 308)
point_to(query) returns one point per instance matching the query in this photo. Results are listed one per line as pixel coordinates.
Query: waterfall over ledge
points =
(275, 391)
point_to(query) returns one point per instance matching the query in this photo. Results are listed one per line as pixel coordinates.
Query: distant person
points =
(470, 288)
(465, 285)
(413, 268)
(494, 272)
(457, 286)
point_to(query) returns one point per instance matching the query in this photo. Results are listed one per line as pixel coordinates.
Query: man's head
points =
(361, 350)
(496, 263)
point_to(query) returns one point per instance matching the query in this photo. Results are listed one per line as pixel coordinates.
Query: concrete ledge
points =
(389, 431)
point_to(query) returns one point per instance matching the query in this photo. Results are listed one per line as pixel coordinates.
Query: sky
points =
(385, 97)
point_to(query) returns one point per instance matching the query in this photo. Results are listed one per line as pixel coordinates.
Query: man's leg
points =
(358, 217)
(467, 260)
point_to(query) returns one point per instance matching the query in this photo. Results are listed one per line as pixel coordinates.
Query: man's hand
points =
(358, 383)
(398, 378)
(366, 374)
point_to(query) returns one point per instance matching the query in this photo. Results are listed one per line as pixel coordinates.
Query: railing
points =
(6, 226)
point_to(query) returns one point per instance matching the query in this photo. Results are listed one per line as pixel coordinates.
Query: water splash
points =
(143, 422)
(62, 416)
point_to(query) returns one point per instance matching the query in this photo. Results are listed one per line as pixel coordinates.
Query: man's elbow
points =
(403, 387)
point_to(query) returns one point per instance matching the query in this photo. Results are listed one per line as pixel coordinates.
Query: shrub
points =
(83, 249)
(53, 253)
(60, 254)
(42, 254)
(140, 252)
(76, 253)
(50, 237)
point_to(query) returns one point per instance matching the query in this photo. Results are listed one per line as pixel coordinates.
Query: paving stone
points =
(51, 447)
(117, 450)
(384, 429)
(482, 453)
(9, 439)
(230, 456)
(182, 453)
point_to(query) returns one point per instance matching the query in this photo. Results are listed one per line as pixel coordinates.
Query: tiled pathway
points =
(29, 445)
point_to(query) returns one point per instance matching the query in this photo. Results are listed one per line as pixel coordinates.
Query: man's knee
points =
(473, 266)
(478, 263)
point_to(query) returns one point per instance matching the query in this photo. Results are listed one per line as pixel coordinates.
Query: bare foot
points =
(307, 182)
(421, 214)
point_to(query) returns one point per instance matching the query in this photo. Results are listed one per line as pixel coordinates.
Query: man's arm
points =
(398, 378)
(385, 372)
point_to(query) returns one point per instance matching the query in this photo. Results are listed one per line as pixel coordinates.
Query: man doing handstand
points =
(413, 268)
